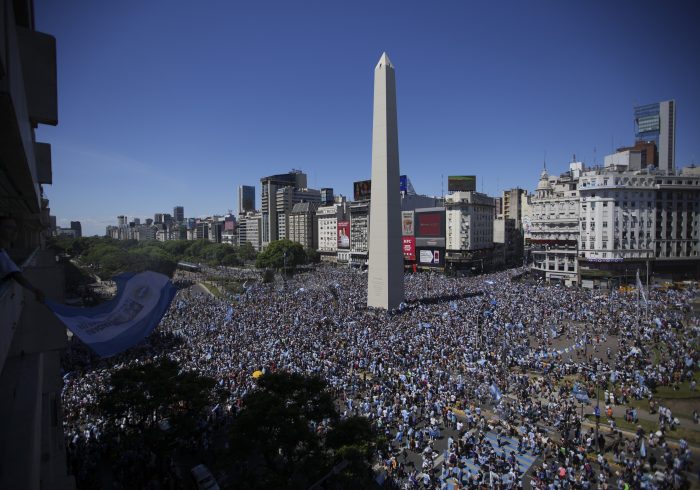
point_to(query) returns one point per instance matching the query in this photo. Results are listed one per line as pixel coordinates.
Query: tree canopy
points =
(107, 257)
(289, 435)
(273, 257)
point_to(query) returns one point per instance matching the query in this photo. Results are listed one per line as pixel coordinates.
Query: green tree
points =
(312, 255)
(247, 252)
(274, 444)
(151, 393)
(274, 255)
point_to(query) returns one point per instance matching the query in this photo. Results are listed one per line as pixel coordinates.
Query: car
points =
(205, 480)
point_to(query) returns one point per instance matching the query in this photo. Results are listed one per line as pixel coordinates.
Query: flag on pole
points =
(641, 288)
(495, 392)
(643, 450)
(116, 325)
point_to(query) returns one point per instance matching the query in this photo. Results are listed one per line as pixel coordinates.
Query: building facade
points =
(268, 201)
(656, 123)
(246, 199)
(469, 229)
(555, 226)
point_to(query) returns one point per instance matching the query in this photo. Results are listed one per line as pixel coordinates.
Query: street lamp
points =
(284, 276)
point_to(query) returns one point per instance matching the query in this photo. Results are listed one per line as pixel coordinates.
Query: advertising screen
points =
(403, 183)
(431, 257)
(362, 190)
(409, 248)
(429, 224)
(407, 223)
(343, 234)
(457, 183)
(429, 227)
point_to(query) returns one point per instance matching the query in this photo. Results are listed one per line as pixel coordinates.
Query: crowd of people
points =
(461, 359)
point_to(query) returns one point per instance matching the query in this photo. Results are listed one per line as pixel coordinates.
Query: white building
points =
(327, 230)
(469, 218)
(554, 228)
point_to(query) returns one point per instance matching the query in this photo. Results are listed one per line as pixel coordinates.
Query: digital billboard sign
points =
(409, 247)
(456, 183)
(343, 234)
(429, 227)
(431, 256)
(407, 223)
(362, 190)
(403, 183)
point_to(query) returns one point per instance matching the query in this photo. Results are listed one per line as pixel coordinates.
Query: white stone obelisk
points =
(385, 274)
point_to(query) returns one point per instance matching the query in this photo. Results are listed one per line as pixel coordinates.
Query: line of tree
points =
(106, 256)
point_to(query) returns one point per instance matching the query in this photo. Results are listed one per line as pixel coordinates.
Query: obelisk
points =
(385, 274)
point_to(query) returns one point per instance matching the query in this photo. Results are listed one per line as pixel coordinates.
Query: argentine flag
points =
(112, 327)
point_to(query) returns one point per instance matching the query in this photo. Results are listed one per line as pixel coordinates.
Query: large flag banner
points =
(112, 327)
(641, 288)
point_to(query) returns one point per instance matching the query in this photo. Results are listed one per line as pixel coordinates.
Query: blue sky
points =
(164, 103)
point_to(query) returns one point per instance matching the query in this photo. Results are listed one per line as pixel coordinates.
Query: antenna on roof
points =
(442, 186)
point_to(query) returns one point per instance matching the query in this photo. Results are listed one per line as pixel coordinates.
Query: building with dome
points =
(554, 226)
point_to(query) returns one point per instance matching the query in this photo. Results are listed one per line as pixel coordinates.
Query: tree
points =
(274, 443)
(148, 394)
(247, 252)
(312, 256)
(274, 255)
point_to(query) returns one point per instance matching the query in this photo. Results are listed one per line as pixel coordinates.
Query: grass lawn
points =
(667, 392)
(692, 436)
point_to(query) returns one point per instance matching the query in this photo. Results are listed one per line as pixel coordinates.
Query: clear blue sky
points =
(164, 103)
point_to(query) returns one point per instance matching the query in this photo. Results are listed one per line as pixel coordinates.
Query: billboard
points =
(409, 247)
(362, 190)
(429, 227)
(403, 183)
(343, 234)
(431, 256)
(407, 223)
(461, 183)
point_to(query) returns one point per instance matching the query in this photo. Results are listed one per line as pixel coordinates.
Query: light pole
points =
(284, 274)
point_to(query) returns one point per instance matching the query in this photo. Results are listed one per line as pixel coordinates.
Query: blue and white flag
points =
(229, 314)
(640, 287)
(495, 392)
(116, 325)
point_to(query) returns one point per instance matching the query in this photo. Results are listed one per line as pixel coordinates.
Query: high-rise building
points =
(179, 214)
(75, 225)
(268, 201)
(657, 123)
(246, 199)
(327, 196)
(122, 220)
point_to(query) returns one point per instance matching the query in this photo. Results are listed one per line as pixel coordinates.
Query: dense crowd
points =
(460, 359)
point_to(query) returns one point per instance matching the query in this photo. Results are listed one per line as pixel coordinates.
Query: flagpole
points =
(648, 293)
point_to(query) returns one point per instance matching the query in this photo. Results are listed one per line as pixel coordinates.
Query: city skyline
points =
(258, 93)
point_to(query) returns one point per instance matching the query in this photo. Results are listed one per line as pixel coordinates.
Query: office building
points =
(332, 221)
(179, 214)
(246, 199)
(75, 225)
(268, 201)
(303, 224)
(656, 123)
(285, 199)
(327, 196)
(469, 229)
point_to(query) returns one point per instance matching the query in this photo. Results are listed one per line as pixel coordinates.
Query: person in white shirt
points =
(8, 269)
